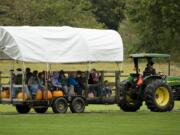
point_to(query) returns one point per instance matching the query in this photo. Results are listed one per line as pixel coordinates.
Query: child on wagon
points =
(34, 84)
(64, 82)
(72, 81)
(107, 91)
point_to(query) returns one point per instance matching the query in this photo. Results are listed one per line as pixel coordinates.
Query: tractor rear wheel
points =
(128, 102)
(159, 96)
(23, 108)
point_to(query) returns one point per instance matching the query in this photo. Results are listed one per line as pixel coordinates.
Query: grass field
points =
(98, 119)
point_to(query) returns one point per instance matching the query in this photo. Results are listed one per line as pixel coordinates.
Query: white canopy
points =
(60, 44)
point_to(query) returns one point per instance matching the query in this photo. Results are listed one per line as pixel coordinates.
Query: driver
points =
(149, 70)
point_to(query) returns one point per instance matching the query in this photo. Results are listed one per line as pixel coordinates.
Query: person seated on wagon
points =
(93, 82)
(72, 81)
(13, 76)
(41, 76)
(81, 79)
(64, 82)
(18, 77)
(56, 84)
(34, 84)
(17, 80)
(13, 81)
(107, 90)
(28, 75)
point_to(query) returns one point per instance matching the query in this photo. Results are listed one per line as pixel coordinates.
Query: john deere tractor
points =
(157, 89)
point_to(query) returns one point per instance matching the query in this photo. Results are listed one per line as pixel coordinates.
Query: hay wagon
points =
(50, 46)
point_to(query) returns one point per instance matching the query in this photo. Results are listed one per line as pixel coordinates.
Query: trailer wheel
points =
(128, 102)
(159, 96)
(41, 110)
(77, 105)
(60, 105)
(23, 108)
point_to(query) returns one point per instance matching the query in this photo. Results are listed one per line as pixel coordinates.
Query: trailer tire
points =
(60, 105)
(77, 105)
(23, 109)
(41, 110)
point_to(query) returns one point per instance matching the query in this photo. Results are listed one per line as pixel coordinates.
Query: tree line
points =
(145, 25)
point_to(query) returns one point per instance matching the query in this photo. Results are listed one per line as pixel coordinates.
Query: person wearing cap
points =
(149, 70)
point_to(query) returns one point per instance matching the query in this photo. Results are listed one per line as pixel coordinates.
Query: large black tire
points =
(41, 110)
(77, 105)
(23, 109)
(159, 96)
(128, 102)
(60, 105)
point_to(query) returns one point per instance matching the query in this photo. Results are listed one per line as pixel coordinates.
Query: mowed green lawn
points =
(97, 119)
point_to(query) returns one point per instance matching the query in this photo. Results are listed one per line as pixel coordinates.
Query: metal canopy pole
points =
(120, 69)
(0, 84)
(117, 81)
(23, 81)
(169, 67)
(11, 88)
(87, 78)
(46, 76)
(11, 84)
(47, 79)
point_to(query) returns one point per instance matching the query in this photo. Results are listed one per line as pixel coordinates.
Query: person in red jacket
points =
(93, 82)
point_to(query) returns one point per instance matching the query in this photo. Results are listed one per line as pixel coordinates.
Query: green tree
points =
(47, 12)
(109, 12)
(157, 23)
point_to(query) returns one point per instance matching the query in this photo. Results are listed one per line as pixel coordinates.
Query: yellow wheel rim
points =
(162, 96)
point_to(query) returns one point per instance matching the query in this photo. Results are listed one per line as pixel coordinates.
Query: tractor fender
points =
(147, 80)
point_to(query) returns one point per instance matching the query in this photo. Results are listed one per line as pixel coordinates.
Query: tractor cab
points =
(148, 70)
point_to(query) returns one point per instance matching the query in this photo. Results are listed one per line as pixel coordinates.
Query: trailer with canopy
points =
(50, 46)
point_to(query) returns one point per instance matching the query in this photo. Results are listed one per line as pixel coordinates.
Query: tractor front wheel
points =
(128, 102)
(159, 96)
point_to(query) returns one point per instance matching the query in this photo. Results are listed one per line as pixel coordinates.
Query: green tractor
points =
(157, 90)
